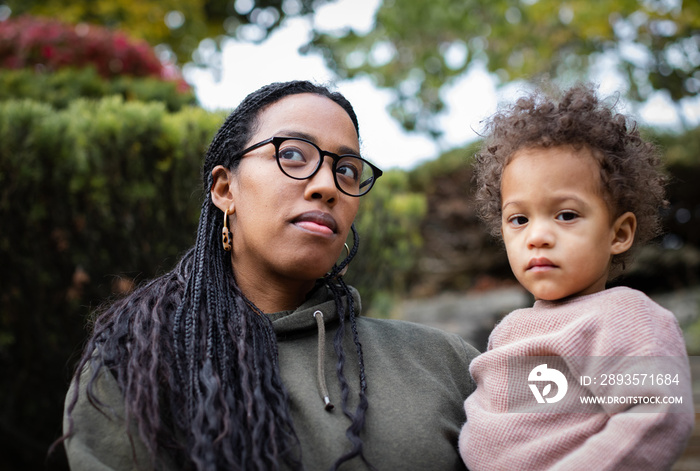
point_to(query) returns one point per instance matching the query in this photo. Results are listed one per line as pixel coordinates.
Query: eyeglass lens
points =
(299, 159)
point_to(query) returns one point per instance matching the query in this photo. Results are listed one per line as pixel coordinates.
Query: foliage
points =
(424, 178)
(60, 88)
(683, 151)
(457, 252)
(691, 334)
(681, 242)
(388, 223)
(179, 24)
(28, 41)
(93, 199)
(417, 48)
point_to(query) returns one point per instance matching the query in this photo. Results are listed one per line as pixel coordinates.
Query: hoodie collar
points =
(318, 310)
(302, 318)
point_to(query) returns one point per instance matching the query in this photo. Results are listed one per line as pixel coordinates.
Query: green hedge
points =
(91, 197)
(61, 87)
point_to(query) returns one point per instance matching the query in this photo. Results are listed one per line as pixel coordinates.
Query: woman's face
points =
(285, 229)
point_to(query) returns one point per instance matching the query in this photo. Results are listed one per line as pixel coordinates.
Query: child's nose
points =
(540, 235)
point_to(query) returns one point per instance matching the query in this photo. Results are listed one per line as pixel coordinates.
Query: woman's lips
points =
(317, 221)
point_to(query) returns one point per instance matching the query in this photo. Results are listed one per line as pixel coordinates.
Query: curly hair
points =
(196, 362)
(631, 173)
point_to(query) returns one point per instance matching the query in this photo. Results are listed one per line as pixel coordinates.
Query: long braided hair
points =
(196, 363)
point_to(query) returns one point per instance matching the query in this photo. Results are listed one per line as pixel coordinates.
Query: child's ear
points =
(623, 233)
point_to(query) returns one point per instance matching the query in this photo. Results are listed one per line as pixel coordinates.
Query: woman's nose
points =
(322, 184)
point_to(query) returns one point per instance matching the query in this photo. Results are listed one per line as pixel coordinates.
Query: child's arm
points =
(639, 436)
(643, 338)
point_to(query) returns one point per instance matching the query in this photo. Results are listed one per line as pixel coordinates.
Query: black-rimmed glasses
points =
(301, 159)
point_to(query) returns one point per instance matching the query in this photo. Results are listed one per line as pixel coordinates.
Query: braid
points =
(197, 362)
(358, 418)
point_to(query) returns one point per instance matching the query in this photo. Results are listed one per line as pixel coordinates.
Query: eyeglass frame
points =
(278, 140)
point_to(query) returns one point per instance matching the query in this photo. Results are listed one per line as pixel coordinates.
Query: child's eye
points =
(517, 220)
(567, 216)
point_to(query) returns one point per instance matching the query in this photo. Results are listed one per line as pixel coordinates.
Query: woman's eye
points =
(348, 170)
(567, 216)
(517, 221)
(292, 154)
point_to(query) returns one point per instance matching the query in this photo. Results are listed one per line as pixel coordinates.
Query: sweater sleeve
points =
(637, 434)
(633, 441)
(99, 440)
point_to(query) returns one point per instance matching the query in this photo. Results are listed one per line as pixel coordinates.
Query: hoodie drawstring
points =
(321, 374)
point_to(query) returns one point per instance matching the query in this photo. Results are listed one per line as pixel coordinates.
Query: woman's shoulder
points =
(105, 393)
(96, 425)
(418, 336)
(402, 327)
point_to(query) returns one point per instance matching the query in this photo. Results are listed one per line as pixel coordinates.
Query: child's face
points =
(556, 226)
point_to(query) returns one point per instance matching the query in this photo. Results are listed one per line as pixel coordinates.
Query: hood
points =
(304, 321)
(302, 318)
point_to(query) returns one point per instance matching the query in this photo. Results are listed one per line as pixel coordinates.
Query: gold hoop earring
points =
(345, 268)
(226, 234)
(347, 254)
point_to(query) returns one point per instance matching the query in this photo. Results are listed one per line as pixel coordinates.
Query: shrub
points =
(93, 198)
(388, 222)
(60, 88)
(51, 45)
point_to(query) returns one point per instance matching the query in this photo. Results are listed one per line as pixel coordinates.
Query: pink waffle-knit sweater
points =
(612, 323)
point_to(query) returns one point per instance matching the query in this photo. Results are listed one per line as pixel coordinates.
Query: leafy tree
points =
(418, 47)
(177, 25)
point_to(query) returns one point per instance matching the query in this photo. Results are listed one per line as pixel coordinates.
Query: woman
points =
(221, 363)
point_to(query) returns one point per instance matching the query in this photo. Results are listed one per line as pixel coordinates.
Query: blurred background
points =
(107, 107)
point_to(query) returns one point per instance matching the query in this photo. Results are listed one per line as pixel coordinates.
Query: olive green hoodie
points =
(417, 380)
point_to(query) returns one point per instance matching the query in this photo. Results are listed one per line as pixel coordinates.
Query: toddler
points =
(570, 187)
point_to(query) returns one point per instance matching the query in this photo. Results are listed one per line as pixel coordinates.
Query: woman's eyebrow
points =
(342, 150)
(300, 134)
